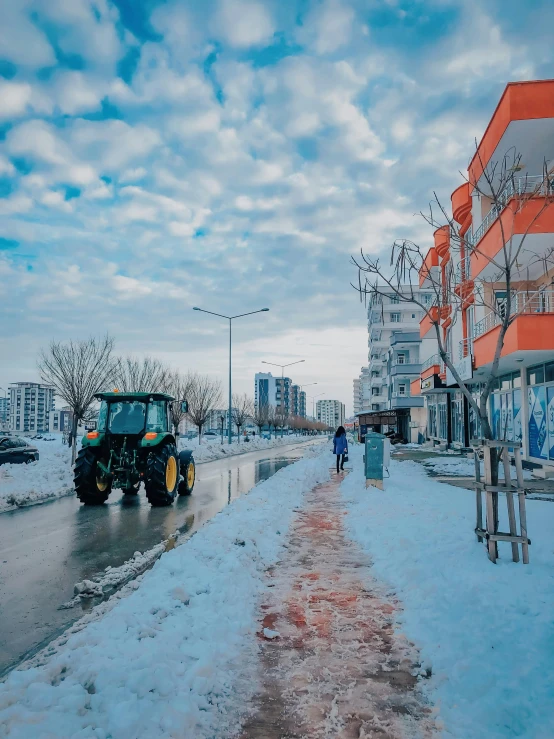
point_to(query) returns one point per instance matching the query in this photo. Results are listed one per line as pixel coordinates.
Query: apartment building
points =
(521, 407)
(297, 401)
(30, 406)
(4, 413)
(330, 412)
(273, 391)
(60, 420)
(362, 391)
(394, 362)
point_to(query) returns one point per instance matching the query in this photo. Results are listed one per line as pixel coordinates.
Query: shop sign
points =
(464, 368)
(428, 383)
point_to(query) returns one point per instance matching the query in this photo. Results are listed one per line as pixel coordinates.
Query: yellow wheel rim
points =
(190, 475)
(171, 474)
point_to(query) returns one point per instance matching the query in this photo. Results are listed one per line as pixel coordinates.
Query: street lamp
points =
(231, 319)
(313, 404)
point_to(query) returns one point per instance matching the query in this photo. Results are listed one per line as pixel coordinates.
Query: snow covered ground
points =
(465, 467)
(178, 656)
(52, 476)
(211, 447)
(486, 631)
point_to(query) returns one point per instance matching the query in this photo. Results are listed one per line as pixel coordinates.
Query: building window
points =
(402, 389)
(395, 299)
(395, 317)
(401, 359)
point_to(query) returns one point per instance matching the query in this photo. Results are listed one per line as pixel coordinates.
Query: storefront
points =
(438, 416)
(505, 410)
(396, 421)
(540, 412)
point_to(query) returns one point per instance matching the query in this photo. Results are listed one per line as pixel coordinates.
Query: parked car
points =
(210, 433)
(14, 450)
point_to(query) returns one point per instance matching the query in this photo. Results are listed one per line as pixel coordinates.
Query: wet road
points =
(46, 549)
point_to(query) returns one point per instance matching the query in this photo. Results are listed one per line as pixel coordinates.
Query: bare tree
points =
(260, 417)
(271, 417)
(134, 375)
(180, 387)
(243, 409)
(281, 417)
(77, 370)
(508, 196)
(204, 396)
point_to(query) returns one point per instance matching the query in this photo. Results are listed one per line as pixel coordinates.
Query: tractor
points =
(133, 443)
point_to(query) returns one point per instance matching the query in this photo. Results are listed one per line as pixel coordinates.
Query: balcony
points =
(403, 400)
(402, 369)
(465, 348)
(405, 337)
(531, 330)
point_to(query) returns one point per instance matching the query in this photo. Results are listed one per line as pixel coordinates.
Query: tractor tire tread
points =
(85, 480)
(154, 481)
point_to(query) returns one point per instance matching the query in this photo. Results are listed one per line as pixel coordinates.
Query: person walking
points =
(340, 447)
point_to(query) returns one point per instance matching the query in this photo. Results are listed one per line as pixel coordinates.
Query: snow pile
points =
(484, 630)
(178, 656)
(51, 477)
(465, 467)
(211, 447)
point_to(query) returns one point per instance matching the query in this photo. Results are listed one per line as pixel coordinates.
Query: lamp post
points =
(313, 404)
(282, 366)
(231, 319)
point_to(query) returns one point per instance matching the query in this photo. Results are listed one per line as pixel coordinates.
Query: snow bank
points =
(178, 656)
(211, 447)
(485, 630)
(51, 477)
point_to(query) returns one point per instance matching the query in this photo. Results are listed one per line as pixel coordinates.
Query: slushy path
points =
(337, 669)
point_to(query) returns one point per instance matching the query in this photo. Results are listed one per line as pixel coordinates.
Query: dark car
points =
(14, 450)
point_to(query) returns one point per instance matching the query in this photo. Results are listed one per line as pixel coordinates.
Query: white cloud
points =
(55, 199)
(243, 23)
(14, 98)
(328, 27)
(133, 175)
(21, 42)
(75, 93)
(129, 287)
(6, 167)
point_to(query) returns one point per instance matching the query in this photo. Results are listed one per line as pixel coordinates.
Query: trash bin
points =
(376, 458)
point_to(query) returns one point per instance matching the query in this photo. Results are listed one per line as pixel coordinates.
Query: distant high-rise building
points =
(297, 401)
(30, 406)
(330, 412)
(272, 391)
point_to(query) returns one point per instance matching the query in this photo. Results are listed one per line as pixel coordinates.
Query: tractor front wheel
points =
(188, 471)
(162, 475)
(91, 487)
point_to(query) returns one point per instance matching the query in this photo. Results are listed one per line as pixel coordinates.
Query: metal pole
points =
(230, 429)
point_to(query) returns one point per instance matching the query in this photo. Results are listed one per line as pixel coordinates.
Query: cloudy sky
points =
(157, 155)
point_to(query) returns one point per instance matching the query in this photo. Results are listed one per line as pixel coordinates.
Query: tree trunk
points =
(200, 433)
(73, 438)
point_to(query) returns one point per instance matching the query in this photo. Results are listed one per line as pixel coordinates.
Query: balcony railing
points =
(465, 348)
(541, 301)
(434, 359)
(515, 187)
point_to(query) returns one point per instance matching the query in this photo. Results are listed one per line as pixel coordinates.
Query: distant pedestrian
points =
(340, 447)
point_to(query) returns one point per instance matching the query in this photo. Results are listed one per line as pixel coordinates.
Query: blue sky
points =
(232, 154)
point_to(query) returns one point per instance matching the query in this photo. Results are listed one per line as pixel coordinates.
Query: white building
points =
(362, 391)
(30, 406)
(273, 391)
(4, 413)
(330, 412)
(60, 420)
(395, 349)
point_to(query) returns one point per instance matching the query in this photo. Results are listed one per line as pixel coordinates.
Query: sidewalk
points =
(333, 665)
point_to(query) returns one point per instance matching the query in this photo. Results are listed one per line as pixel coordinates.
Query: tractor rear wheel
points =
(162, 475)
(90, 486)
(189, 476)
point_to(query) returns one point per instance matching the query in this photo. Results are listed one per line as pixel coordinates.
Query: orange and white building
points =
(522, 404)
